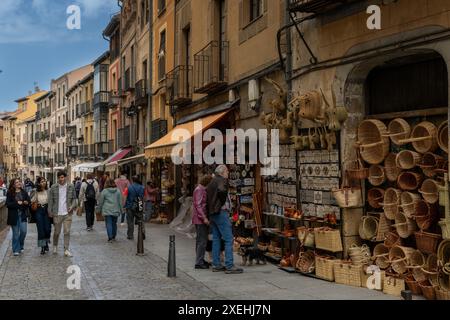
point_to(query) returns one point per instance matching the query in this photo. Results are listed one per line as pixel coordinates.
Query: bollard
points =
(140, 242)
(407, 294)
(171, 265)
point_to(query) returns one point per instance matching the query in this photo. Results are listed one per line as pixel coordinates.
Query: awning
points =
(131, 159)
(118, 155)
(163, 147)
(59, 168)
(86, 167)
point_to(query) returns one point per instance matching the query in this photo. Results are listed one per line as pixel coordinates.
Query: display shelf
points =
(277, 215)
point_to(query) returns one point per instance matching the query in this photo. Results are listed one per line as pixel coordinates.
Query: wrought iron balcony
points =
(124, 137)
(141, 93)
(179, 86)
(63, 131)
(101, 99)
(129, 79)
(38, 115)
(82, 109)
(102, 150)
(159, 129)
(114, 99)
(89, 108)
(111, 148)
(317, 6)
(211, 67)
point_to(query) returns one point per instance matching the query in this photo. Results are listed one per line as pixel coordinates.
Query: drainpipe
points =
(150, 76)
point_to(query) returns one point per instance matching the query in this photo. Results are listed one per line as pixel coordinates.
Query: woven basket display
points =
(429, 271)
(306, 262)
(442, 294)
(427, 242)
(381, 256)
(430, 191)
(408, 203)
(390, 167)
(324, 267)
(428, 290)
(375, 197)
(426, 214)
(404, 225)
(407, 159)
(443, 252)
(355, 170)
(392, 198)
(445, 227)
(376, 175)
(413, 285)
(409, 181)
(310, 105)
(359, 255)
(368, 227)
(373, 141)
(393, 286)
(430, 162)
(423, 137)
(400, 258)
(399, 129)
(328, 239)
(347, 273)
(443, 136)
(417, 260)
(392, 239)
(384, 226)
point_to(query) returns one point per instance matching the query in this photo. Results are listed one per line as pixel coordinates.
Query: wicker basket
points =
(310, 105)
(430, 162)
(425, 215)
(355, 170)
(373, 142)
(392, 199)
(399, 129)
(442, 294)
(324, 267)
(445, 227)
(409, 181)
(408, 203)
(430, 191)
(413, 285)
(347, 197)
(328, 239)
(384, 226)
(375, 197)
(347, 273)
(443, 136)
(390, 167)
(393, 286)
(429, 272)
(427, 242)
(400, 258)
(408, 159)
(381, 256)
(368, 227)
(376, 175)
(306, 262)
(404, 225)
(428, 290)
(392, 239)
(423, 137)
(417, 260)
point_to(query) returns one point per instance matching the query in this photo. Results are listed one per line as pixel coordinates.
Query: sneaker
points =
(67, 253)
(130, 238)
(46, 248)
(22, 250)
(55, 250)
(218, 269)
(203, 266)
(122, 224)
(16, 254)
(110, 240)
(234, 270)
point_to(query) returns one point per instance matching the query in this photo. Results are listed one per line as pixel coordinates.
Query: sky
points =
(37, 46)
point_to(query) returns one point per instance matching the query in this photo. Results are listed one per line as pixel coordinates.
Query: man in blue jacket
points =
(136, 189)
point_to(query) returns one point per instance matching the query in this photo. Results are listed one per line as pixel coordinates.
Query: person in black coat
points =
(18, 203)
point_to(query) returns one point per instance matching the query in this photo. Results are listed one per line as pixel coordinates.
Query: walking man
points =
(122, 184)
(89, 193)
(219, 208)
(62, 203)
(135, 191)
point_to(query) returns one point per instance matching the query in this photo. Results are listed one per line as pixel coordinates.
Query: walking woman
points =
(17, 202)
(110, 205)
(44, 228)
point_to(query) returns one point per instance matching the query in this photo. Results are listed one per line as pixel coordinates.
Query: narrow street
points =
(113, 271)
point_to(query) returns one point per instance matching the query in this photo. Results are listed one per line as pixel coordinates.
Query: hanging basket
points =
(413, 285)
(423, 137)
(430, 191)
(430, 271)
(408, 159)
(375, 197)
(428, 290)
(356, 170)
(408, 203)
(442, 294)
(381, 256)
(404, 225)
(392, 239)
(348, 197)
(398, 130)
(368, 228)
(390, 167)
(443, 252)
(384, 227)
(429, 163)
(443, 136)
(400, 258)
(373, 142)
(392, 198)
(427, 242)
(376, 175)
(324, 267)
(425, 215)
(310, 105)
(417, 260)
(409, 181)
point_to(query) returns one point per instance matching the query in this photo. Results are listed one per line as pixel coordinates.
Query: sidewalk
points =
(113, 271)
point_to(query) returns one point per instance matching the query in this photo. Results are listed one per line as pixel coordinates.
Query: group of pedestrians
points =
(56, 205)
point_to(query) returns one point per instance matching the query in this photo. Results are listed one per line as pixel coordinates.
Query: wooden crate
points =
(347, 242)
(350, 221)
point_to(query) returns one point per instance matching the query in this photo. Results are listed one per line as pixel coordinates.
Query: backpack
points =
(138, 204)
(90, 191)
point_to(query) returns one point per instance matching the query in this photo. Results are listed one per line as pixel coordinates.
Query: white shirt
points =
(62, 200)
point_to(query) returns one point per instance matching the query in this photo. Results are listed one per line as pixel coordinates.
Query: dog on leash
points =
(249, 254)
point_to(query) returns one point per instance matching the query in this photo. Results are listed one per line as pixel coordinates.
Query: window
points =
(255, 9)
(143, 8)
(162, 55)
(161, 6)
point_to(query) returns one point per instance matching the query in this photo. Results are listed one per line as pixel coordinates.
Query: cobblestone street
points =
(113, 271)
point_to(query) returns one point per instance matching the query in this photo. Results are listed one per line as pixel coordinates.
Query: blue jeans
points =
(43, 226)
(111, 226)
(222, 229)
(19, 234)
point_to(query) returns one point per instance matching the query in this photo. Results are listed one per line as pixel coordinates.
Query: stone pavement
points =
(113, 271)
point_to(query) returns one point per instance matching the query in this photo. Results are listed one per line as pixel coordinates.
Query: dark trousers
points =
(111, 226)
(131, 222)
(89, 208)
(200, 244)
(43, 226)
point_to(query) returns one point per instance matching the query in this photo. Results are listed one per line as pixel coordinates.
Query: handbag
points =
(348, 197)
(32, 217)
(34, 206)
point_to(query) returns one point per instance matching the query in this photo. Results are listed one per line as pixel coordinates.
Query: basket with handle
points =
(442, 294)
(376, 175)
(384, 226)
(425, 215)
(348, 197)
(324, 267)
(443, 136)
(429, 271)
(404, 225)
(392, 239)
(398, 130)
(306, 262)
(393, 285)
(423, 137)
(427, 242)
(408, 203)
(399, 258)
(391, 202)
(430, 162)
(430, 191)
(375, 197)
(373, 142)
(409, 181)
(416, 260)
(355, 170)
(310, 105)
(347, 273)
(428, 290)
(413, 285)
(390, 167)
(368, 227)
(381, 256)
(328, 239)
(408, 159)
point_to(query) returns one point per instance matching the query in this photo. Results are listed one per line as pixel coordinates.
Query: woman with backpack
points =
(18, 203)
(39, 203)
(110, 205)
(89, 193)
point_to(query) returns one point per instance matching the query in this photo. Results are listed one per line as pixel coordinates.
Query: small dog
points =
(249, 254)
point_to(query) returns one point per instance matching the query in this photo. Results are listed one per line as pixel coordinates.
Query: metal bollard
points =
(171, 265)
(140, 242)
(407, 294)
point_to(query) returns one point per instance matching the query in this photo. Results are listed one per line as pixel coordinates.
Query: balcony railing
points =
(124, 137)
(317, 6)
(102, 150)
(129, 79)
(89, 108)
(82, 109)
(211, 67)
(159, 129)
(179, 86)
(141, 93)
(58, 132)
(101, 99)
(114, 99)
(38, 115)
(63, 131)
(38, 160)
(78, 110)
